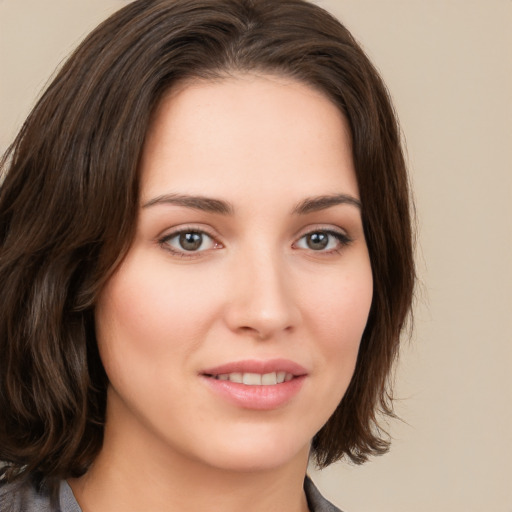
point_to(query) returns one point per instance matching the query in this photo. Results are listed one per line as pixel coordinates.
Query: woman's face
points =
(231, 329)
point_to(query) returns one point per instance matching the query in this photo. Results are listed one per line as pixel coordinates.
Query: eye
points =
(189, 241)
(323, 240)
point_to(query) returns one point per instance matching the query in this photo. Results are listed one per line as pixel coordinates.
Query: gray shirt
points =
(15, 498)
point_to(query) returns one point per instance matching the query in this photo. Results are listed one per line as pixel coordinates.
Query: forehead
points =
(245, 134)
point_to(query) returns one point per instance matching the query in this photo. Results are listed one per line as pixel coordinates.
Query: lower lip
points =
(262, 398)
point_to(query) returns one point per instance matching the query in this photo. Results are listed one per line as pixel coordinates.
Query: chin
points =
(252, 453)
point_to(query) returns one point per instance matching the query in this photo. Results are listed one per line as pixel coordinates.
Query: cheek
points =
(338, 313)
(148, 318)
(339, 307)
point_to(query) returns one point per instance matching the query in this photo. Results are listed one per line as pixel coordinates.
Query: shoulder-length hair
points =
(69, 197)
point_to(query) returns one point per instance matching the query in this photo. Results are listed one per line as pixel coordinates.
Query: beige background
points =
(448, 64)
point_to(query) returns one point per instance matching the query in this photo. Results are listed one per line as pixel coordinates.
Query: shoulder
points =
(22, 496)
(316, 502)
(25, 497)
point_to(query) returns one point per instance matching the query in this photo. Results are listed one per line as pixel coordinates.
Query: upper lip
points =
(258, 366)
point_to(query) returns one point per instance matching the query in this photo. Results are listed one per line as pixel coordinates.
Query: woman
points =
(206, 263)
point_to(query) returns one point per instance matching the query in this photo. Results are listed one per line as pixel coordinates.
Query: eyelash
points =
(342, 239)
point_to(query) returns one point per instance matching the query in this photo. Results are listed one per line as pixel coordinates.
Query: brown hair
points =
(69, 199)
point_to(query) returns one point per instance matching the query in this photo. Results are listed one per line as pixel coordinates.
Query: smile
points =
(255, 379)
(256, 384)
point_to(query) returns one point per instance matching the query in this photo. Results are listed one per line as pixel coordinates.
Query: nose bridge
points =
(262, 299)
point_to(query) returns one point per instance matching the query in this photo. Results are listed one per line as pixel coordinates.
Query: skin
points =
(255, 289)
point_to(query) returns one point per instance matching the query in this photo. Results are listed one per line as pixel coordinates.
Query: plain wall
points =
(448, 64)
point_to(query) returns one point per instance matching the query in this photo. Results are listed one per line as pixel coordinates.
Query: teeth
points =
(269, 379)
(252, 379)
(256, 379)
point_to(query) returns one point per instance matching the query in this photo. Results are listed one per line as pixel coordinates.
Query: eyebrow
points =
(315, 204)
(211, 205)
(206, 204)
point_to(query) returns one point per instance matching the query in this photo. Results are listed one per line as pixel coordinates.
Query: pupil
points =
(317, 241)
(191, 241)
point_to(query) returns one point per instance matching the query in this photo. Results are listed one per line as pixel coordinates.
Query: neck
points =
(133, 476)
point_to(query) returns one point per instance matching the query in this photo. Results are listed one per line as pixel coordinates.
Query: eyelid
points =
(327, 228)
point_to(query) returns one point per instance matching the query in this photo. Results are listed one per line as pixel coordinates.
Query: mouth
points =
(257, 385)
(256, 372)
(254, 379)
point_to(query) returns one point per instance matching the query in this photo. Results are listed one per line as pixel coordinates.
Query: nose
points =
(262, 302)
